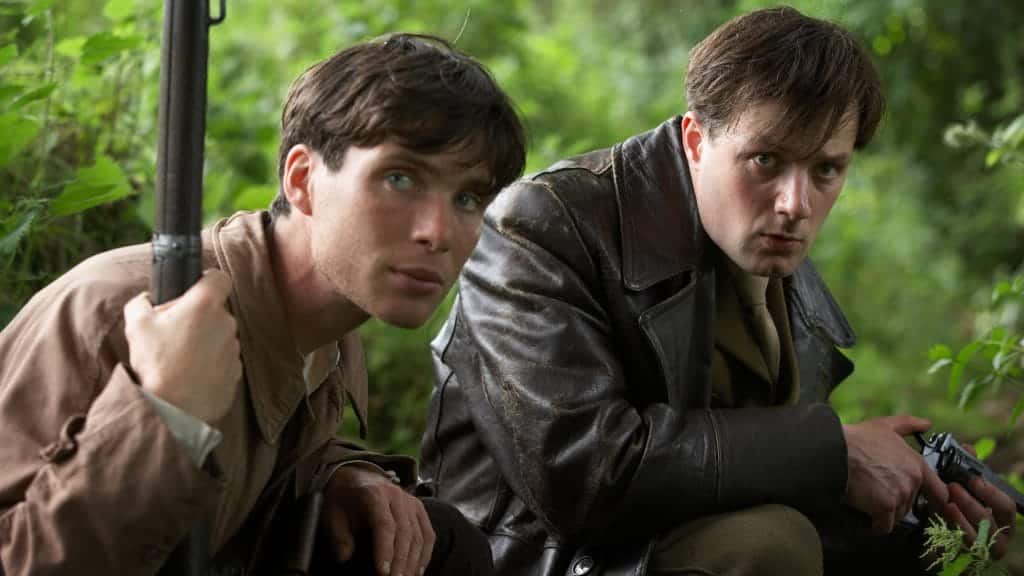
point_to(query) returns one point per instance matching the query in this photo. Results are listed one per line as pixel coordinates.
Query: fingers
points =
(213, 287)
(973, 512)
(384, 531)
(951, 512)
(998, 507)
(400, 529)
(403, 537)
(341, 534)
(905, 424)
(935, 491)
(427, 530)
(407, 541)
(138, 310)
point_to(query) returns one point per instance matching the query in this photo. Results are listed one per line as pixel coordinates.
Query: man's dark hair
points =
(816, 71)
(413, 89)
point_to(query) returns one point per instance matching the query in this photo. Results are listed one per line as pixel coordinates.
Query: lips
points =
(421, 275)
(782, 241)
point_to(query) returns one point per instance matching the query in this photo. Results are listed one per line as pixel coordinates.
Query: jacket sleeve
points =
(87, 464)
(534, 351)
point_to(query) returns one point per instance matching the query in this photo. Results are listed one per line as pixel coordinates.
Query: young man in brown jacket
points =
(123, 425)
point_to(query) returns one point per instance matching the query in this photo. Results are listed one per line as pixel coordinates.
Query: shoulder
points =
(66, 328)
(554, 204)
(92, 293)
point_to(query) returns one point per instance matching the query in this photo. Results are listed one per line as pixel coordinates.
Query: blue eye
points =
(399, 181)
(765, 160)
(469, 202)
(828, 170)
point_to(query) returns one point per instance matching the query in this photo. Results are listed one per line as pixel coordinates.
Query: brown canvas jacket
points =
(91, 480)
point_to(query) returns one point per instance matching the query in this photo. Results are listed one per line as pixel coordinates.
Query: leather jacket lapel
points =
(652, 180)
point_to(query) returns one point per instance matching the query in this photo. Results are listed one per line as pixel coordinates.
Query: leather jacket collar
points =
(652, 178)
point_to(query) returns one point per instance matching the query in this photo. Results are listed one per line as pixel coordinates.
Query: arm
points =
(534, 349)
(92, 477)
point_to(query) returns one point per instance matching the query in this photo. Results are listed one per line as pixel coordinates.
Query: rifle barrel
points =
(177, 248)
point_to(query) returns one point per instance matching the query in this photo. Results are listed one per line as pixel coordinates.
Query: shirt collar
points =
(275, 371)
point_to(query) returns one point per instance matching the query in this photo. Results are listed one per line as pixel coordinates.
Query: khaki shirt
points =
(91, 479)
(739, 375)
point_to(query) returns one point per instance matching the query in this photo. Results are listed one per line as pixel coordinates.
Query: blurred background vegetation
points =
(923, 248)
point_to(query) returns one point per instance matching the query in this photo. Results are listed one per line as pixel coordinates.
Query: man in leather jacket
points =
(636, 372)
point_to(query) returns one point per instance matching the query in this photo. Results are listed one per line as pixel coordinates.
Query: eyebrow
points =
(767, 143)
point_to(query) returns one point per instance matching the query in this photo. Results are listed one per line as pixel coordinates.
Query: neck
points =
(317, 314)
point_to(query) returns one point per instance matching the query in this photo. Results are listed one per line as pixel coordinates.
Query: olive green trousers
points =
(764, 540)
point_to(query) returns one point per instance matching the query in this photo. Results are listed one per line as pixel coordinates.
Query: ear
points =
(295, 182)
(693, 139)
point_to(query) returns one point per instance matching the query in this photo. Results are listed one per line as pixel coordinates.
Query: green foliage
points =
(70, 153)
(910, 249)
(946, 546)
(993, 360)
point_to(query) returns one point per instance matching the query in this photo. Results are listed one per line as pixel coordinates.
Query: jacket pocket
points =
(669, 327)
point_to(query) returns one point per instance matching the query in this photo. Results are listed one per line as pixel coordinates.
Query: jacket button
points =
(582, 566)
(64, 448)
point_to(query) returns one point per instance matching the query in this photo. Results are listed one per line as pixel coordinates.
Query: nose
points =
(433, 225)
(793, 199)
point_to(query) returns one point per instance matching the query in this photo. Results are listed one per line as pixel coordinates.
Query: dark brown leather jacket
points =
(572, 409)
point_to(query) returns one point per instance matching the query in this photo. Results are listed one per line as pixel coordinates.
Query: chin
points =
(772, 267)
(405, 317)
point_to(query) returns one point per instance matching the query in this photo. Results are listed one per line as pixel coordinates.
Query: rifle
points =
(177, 250)
(953, 463)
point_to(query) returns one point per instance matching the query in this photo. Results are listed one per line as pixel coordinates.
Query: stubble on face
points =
(395, 227)
(761, 198)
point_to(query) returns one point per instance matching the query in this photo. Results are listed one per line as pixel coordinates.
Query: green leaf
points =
(939, 365)
(38, 7)
(993, 156)
(17, 132)
(956, 567)
(104, 45)
(967, 352)
(7, 54)
(1002, 289)
(954, 379)
(40, 93)
(9, 92)
(984, 447)
(974, 387)
(9, 243)
(118, 10)
(983, 528)
(962, 359)
(98, 184)
(1013, 134)
(1017, 409)
(71, 47)
(940, 352)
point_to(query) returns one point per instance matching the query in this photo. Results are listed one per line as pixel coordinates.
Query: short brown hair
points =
(814, 69)
(414, 89)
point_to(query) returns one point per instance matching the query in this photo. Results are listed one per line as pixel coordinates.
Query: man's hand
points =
(362, 502)
(186, 351)
(885, 474)
(980, 501)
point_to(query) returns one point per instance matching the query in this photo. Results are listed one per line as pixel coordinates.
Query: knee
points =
(459, 546)
(763, 540)
(777, 539)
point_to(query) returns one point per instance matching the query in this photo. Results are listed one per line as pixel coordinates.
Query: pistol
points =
(953, 463)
